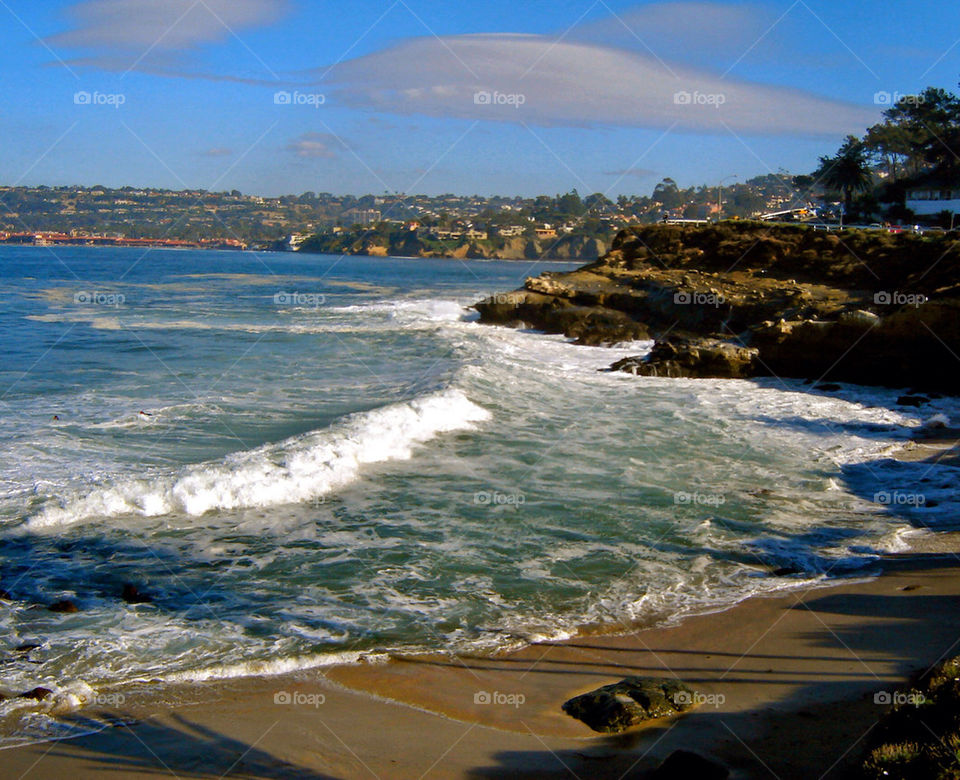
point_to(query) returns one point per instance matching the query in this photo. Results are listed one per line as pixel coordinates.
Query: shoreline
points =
(780, 663)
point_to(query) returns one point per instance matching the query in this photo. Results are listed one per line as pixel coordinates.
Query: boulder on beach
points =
(616, 707)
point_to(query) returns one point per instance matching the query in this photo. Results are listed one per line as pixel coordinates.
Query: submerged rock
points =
(616, 707)
(37, 694)
(65, 605)
(132, 595)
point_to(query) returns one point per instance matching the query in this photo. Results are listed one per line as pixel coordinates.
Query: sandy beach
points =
(789, 684)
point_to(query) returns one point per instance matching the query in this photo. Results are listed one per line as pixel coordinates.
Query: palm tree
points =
(847, 171)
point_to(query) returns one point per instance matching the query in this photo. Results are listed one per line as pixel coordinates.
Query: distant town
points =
(900, 171)
(231, 220)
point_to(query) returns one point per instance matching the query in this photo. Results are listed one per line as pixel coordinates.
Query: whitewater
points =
(297, 486)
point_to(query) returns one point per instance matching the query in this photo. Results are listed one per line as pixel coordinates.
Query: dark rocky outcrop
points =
(616, 707)
(740, 299)
(693, 358)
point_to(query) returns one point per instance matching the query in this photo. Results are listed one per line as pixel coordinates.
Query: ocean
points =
(308, 460)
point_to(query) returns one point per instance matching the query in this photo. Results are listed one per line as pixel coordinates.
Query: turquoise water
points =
(334, 460)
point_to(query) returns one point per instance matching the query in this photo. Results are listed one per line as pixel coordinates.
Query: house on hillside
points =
(933, 196)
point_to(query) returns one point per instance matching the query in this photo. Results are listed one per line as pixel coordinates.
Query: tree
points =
(847, 171)
(667, 193)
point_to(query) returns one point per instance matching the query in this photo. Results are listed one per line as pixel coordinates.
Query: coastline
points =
(782, 661)
(776, 670)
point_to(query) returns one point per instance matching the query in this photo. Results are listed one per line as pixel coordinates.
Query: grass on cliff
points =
(919, 739)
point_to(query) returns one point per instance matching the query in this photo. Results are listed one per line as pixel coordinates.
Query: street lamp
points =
(720, 195)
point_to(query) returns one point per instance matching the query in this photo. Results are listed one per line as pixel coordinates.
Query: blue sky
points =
(285, 96)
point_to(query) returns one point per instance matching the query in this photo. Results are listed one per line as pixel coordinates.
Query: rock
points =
(64, 605)
(686, 765)
(618, 706)
(937, 422)
(37, 694)
(806, 301)
(547, 286)
(827, 387)
(5, 595)
(25, 648)
(912, 400)
(860, 317)
(131, 595)
(785, 571)
(693, 358)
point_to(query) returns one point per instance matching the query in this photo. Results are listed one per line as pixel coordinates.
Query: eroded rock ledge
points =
(747, 299)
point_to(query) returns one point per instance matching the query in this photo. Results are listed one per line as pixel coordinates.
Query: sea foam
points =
(296, 470)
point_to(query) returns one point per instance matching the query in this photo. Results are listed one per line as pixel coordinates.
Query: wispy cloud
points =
(537, 80)
(218, 151)
(119, 35)
(314, 145)
(639, 173)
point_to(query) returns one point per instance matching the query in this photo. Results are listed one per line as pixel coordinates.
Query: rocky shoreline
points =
(406, 243)
(741, 299)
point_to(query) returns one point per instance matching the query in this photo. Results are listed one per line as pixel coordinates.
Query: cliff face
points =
(747, 299)
(407, 244)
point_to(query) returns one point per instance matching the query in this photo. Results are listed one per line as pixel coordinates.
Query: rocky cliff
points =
(749, 299)
(405, 243)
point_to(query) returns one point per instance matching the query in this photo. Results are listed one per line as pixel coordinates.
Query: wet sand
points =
(789, 682)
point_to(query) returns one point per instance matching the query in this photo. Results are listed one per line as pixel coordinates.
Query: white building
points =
(931, 199)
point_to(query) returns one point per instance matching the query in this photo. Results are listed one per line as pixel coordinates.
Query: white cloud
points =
(314, 145)
(536, 79)
(148, 28)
